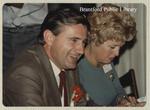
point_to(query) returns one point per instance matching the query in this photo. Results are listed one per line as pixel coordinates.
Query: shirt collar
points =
(55, 69)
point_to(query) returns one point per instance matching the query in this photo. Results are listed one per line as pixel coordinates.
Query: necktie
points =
(63, 85)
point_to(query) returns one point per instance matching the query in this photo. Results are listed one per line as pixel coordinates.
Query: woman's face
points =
(106, 52)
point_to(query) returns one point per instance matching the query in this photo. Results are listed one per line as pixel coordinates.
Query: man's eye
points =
(74, 40)
(112, 47)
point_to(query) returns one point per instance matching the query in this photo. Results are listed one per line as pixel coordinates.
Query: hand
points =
(127, 101)
(134, 102)
(140, 104)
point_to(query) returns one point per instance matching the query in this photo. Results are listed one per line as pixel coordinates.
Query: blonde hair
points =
(111, 24)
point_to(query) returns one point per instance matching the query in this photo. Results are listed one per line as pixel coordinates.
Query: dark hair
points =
(64, 16)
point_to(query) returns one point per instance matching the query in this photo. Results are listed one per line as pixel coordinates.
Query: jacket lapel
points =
(52, 88)
(73, 80)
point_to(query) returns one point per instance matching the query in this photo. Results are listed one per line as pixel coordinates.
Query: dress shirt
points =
(56, 74)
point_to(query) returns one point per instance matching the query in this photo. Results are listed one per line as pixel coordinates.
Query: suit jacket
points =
(31, 81)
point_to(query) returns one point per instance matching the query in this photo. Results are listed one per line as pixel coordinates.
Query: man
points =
(33, 79)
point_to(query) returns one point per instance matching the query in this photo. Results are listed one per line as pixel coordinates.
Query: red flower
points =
(77, 93)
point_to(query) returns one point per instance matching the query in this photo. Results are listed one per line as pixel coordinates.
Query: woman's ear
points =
(48, 37)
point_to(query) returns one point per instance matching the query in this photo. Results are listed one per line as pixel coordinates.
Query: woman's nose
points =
(116, 52)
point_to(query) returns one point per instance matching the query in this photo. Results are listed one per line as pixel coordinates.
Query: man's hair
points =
(63, 16)
(112, 23)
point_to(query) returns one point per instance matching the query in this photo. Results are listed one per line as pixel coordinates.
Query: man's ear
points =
(48, 37)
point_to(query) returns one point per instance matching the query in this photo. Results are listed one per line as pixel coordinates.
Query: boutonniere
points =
(78, 93)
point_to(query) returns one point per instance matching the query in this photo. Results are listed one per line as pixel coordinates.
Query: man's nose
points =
(80, 49)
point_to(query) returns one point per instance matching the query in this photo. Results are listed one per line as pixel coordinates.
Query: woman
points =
(110, 29)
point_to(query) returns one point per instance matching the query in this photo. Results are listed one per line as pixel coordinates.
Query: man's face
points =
(106, 52)
(68, 46)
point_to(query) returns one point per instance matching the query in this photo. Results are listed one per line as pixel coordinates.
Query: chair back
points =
(128, 80)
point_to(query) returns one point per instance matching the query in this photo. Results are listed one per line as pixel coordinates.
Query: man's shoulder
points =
(27, 60)
(29, 54)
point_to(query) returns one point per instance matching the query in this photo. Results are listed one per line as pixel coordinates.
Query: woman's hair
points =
(111, 23)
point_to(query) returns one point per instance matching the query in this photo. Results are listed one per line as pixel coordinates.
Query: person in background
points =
(33, 78)
(111, 28)
(21, 26)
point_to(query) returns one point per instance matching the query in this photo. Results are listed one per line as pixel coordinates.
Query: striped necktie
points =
(63, 85)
